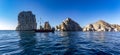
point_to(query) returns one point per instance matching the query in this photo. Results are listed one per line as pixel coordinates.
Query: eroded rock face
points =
(47, 26)
(26, 21)
(116, 27)
(69, 25)
(98, 26)
(89, 28)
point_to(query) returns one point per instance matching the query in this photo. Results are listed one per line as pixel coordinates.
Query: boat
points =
(47, 28)
(38, 30)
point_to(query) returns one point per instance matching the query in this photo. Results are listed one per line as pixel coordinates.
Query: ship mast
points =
(40, 24)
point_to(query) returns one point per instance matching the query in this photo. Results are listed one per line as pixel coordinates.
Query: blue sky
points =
(55, 11)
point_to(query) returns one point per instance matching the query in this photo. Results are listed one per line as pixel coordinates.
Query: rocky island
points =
(46, 26)
(69, 25)
(101, 26)
(26, 21)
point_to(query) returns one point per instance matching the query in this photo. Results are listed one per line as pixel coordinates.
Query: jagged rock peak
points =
(101, 22)
(68, 19)
(69, 25)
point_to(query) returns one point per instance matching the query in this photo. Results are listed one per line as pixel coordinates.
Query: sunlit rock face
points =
(69, 25)
(98, 26)
(26, 21)
(116, 27)
(89, 28)
(47, 26)
(102, 26)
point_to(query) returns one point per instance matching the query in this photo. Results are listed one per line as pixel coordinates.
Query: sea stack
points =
(26, 21)
(47, 26)
(69, 25)
(99, 26)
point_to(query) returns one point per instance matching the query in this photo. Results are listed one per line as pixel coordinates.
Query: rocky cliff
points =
(69, 25)
(116, 27)
(101, 26)
(26, 21)
(47, 26)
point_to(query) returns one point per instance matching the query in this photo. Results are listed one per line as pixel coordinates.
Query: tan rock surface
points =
(69, 25)
(98, 26)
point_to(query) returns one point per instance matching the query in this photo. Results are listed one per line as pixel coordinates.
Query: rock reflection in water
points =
(44, 43)
(70, 40)
(96, 36)
(60, 43)
(27, 42)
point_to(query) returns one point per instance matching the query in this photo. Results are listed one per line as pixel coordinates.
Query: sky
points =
(55, 11)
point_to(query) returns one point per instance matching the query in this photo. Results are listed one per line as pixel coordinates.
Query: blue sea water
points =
(59, 43)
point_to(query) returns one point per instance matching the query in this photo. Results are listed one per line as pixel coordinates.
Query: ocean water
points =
(59, 43)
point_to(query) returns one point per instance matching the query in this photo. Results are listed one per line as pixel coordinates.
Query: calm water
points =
(59, 43)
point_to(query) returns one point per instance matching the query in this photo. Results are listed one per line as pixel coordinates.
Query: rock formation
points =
(89, 28)
(101, 26)
(47, 26)
(69, 25)
(26, 21)
(116, 27)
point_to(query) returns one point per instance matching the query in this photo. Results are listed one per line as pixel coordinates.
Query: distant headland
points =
(27, 22)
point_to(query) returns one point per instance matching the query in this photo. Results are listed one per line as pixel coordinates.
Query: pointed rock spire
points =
(69, 25)
(47, 26)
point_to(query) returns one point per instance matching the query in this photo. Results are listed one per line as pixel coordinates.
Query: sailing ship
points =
(46, 28)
